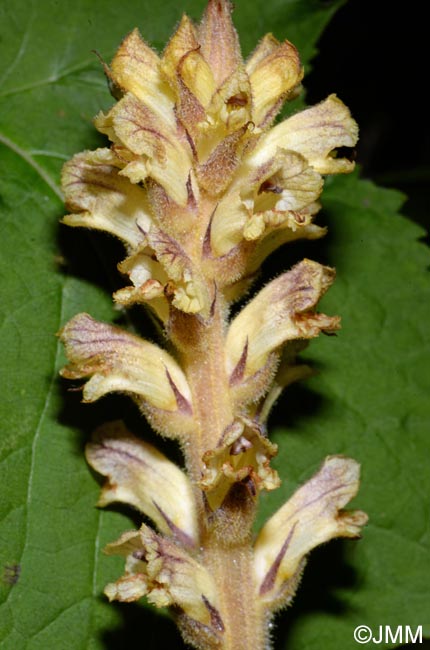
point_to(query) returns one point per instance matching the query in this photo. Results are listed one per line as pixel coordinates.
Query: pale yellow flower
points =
(201, 188)
(196, 177)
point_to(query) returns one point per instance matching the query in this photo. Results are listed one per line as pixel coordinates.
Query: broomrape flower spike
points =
(201, 188)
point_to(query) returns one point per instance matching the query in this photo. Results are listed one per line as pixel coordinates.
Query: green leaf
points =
(369, 400)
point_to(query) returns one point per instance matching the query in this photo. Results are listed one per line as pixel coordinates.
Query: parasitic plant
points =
(201, 188)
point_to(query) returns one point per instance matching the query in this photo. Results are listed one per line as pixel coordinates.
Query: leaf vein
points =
(54, 78)
(37, 436)
(20, 53)
(32, 163)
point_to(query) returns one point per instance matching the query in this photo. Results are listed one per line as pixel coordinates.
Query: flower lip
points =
(118, 361)
(282, 311)
(313, 515)
(140, 475)
(167, 574)
(242, 455)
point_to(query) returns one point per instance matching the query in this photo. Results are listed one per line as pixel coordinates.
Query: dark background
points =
(374, 56)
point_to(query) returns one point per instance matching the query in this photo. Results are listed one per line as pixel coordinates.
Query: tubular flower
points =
(201, 188)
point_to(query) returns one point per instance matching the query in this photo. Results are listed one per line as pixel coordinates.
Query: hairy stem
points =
(225, 534)
(232, 570)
